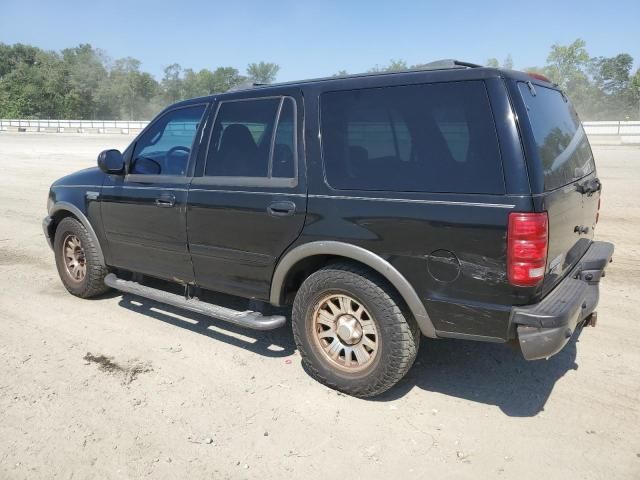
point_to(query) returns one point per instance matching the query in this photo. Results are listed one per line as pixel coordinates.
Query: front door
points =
(248, 202)
(144, 212)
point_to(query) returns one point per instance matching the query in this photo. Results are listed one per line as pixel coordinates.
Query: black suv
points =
(456, 201)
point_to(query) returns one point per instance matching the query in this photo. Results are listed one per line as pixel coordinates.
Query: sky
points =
(319, 38)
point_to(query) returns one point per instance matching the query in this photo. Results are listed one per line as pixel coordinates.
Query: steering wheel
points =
(174, 166)
(177, 148)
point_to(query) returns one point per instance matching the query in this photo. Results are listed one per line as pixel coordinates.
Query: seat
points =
(237, 153)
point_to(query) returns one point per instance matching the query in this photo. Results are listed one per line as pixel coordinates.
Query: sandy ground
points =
(121, 388)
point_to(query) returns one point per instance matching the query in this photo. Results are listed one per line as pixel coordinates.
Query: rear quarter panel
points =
(450, 247)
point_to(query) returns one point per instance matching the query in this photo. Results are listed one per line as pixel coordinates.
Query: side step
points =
(248, 319)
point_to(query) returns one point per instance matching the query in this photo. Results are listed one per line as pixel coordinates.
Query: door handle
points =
(166, 201)
(281, 208)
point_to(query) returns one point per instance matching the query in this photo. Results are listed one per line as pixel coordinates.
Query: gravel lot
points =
(123, 388)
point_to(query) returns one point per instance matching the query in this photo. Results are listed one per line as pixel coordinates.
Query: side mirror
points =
(111, 161)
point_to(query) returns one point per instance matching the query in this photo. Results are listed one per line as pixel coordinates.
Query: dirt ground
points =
(119, 387)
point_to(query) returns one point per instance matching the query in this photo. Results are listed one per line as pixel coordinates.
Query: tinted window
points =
(424, 138)
(562, 143)
(284, 148)
(165, 147)
(241, 139)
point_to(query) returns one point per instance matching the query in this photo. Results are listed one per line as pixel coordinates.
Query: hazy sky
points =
(318, 38)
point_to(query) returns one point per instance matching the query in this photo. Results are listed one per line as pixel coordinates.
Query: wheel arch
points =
(61, 210)
(320, 251)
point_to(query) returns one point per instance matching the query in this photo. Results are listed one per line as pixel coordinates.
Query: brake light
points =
(539, 76)
(527, 243)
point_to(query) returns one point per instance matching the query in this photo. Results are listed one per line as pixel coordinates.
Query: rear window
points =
(562, 144)
(423, 138)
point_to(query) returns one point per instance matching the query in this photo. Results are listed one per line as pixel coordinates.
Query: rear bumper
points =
(544, 328)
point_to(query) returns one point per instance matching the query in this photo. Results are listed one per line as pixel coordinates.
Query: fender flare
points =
(361, 255)
(76, 212)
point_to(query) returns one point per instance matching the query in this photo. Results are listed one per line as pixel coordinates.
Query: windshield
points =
(562, 144)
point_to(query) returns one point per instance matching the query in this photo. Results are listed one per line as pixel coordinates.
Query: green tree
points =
(172, 84)
(566, 64)
(395, 65)
(130, 89)
(493, 62)
(262, 72)
(634, 87)
(508, 62)
(85, 72)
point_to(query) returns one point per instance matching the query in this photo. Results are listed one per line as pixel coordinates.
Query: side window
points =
(241, 139)
(165, 147)
(562, 144)
(284, 147)
(425, 138)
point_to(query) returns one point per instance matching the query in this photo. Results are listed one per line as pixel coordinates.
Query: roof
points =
(448, 65)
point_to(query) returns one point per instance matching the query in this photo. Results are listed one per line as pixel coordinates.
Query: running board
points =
(248, 319)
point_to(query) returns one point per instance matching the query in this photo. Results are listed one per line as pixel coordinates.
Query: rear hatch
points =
(563, 177)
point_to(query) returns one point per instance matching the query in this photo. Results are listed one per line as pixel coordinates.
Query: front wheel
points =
(80, 268)
(352, 332)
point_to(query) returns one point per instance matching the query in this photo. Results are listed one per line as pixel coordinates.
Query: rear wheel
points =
(80, 268)
(352, 332)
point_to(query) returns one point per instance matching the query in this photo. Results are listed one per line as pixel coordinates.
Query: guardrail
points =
(619, 128)
(74, 126)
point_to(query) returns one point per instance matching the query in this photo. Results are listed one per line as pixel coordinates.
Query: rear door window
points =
(562, 144)
(254, 138)
(424, 138)
(241, 141)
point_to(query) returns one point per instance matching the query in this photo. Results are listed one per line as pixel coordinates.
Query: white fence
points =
(617, 132)
(73, 126)
(612, 128)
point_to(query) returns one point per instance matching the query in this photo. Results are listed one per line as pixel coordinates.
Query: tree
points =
(172, 85)
(83, 83)
(85, 72)
(262, 72)
(566, 64)
(634, 86)
(508, 62)
(131, 89)
(395, 65)
(612, 74)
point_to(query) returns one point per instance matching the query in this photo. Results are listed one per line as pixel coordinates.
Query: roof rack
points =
(444, 64)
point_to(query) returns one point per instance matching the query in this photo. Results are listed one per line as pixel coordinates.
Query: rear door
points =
(248, 202)
(563, 175)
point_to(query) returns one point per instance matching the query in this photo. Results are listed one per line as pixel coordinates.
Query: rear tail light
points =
(539, 76)
(527, 243)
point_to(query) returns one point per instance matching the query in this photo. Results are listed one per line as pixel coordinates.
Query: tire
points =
(85, 249)
(397, 336)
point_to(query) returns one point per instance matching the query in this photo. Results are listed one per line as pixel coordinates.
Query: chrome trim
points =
(412, 200)
(132, 187)
(273, 182)
(153, 179)
(279, 194)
